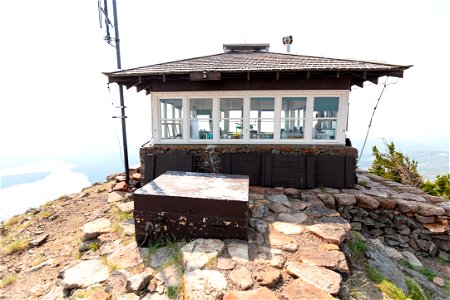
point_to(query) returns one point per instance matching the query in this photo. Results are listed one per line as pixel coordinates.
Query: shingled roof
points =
(252, 62)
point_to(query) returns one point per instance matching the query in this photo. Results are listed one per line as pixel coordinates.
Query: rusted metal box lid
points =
(188, 205)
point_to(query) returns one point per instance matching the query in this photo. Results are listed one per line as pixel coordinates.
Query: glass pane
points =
(261, 129)
(232, 107)
(260, 106)
(326, 107)
(171, 108)
(171, 129)
(202, 129)
(231, 129)
(324, 129)
(200, 107)
(293, 107)
(292, 128)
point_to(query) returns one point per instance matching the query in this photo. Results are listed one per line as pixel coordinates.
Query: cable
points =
(371, 118)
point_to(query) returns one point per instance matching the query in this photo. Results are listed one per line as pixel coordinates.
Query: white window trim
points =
(246, 95)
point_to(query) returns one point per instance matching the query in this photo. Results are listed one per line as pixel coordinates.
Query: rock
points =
(155, 296)
(427, 210)
(445, 206)
(345, 199)
(93, 229)
(242, 278)
(274, 257)
(283, 242)
(199, 252)
(283, 199)
(412, 259)
(116, 196)
(425, 220)
(377, 193)
(225, 264)
(259, 225)
(393, 253)
(55, 294)
(410, 196)
(261, 293)
(204, 284)
(259, 210)
(439, 281)
(328, 200)
(39, 240)
(128, 227)
(288, 228)
(84, 274)
(405, 206)
(117, 281)
(267, 276)
(126, 206)
(436, 227)
(332, 233)
(48, 262)
(170, 276)
(330, 259)
(126, 257)
(121, 186)
(322, 278)
(298, 289)
(238, 252)
(162, 255)
(292, 193)
(292, 218)
(298, 205)
(136, 176)
(388, 203)
(365, 201)
(278, 208)
(315, 210)
(257, 294)
(138, 283)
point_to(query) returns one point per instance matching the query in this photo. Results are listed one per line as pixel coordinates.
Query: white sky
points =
(54, 101)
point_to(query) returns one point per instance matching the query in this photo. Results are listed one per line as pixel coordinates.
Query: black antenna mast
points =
(116, 44)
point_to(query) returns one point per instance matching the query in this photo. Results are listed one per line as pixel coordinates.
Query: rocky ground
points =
(299, 247)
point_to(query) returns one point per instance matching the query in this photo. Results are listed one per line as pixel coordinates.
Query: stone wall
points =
(207, 157)
(402, 217)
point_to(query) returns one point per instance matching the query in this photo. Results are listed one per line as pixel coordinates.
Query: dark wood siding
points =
(335, 171)
(284, 170)
(157, 164)
(243, 164)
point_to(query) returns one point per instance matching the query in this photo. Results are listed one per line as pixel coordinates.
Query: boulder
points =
(116, 196)
(199, 252)
(280, 198)
(330, 259)
(322, 278)
(288, 228)
(411, 196)
(170, 276)
(225, 264)
(280, 241)
(95, 228)
(126, 257)
(412, 259)
(332, 233)
(161, 256)
(126, 206)
(298, 289)
(257, 294)
(425, 220)
(39, 240)
(366, 201)
(345, 199)
(84, 274)
(267, 276)
(427, 210)
(242, 278)
(436, 227)
(328, 200)
(405, 206)
(138, 283)
(387, 203)
(292, 193)
(297, 218)
(204, 284)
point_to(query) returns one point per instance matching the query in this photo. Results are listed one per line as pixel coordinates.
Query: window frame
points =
(341, 126)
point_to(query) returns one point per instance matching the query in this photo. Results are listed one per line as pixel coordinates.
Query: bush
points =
(440, 187)
(395, 166)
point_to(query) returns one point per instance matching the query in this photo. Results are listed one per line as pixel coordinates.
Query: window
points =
(201, 118)
(262, 114)
(171, 120)
(325, 116)
(231, 118)
(293, 114)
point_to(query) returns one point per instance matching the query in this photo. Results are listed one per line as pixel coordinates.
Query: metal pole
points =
(122, 102)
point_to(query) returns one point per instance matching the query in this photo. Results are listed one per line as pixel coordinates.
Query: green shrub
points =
(395, 166)
(357, 247)
(422, 270)
(7, 281)
(16, 246)
(385, 285)
(440, 187)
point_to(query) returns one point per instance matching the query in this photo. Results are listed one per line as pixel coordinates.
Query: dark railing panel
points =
(157, 164)
(243, 164)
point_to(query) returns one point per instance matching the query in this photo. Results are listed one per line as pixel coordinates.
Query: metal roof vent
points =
(245, 47)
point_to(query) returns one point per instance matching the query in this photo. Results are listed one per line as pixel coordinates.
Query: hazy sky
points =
(54, 100)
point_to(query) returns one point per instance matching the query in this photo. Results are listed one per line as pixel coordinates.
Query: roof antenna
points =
(116, 44)
(287, 41)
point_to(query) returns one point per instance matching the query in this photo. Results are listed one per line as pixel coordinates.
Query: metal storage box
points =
(188, 205)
